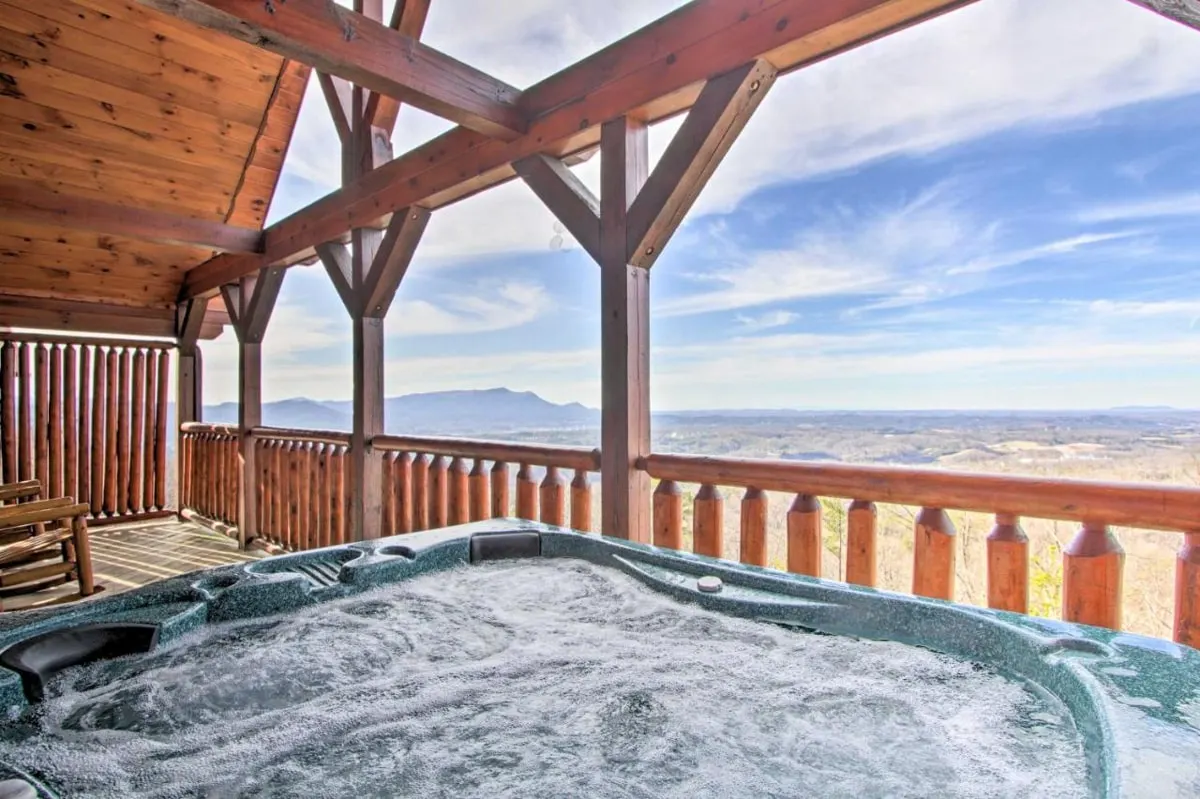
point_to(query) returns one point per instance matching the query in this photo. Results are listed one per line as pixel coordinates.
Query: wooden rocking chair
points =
(43, 542)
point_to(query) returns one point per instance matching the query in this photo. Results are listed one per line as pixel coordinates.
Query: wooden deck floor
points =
(130, 555)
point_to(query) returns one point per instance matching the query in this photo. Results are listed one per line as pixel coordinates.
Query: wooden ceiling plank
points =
(340, 42)
(33, 78)
(101, 152)
(73, 286)
(193, 94)
(20, 200)
(101, 243)
(242, 86)
(149, 40)
(172, 29)
(84, 259)
(41, 293)
(85, 317)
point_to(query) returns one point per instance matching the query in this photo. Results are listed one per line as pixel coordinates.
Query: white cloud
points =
(1017, 257)
(766, 321)
(489, 307)
(1185, 204)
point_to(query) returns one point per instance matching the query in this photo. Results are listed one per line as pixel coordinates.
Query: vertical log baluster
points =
(1008, 565)
(99, 432)
(137, 482)
(861, 561)
(708, 522)
(8, 411)
(341, 530)
(439, 510)
(24, 410)
(295, 532)
(325, 529)
(387, 494)
(581, 502)
(1187, 592)
(55, 422)
(149, 430)
(70, 422)
(934, 554)
(1093, 574)
(84, 488)
(804, 536)
(41, 415)
(499, 478)
(233, 470)
(123, 449)
(668, 515)
(112, 415)
(160, 431)
(420, 492)
(314, 496)
(278, 494)
(458, 494)
(478, 489)
(553, 498)
(526, 493)
(262, 458)
(403, 489)
(754, 527)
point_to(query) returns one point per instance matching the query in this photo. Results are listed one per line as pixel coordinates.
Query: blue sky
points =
(994, 210)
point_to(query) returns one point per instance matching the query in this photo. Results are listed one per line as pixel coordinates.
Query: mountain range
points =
(436, 413)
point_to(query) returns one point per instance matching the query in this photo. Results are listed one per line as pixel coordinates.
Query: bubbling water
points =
(552, 678)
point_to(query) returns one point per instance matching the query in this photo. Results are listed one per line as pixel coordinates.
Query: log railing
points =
(1093, 562)
(208, 471)
(436, 482)
(302, 487)
(88, 418)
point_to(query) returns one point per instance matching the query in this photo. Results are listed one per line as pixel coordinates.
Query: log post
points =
(54, 422)
(861, 562)
(527, 499)
(189, 394)
(420, 492)
(478, 489)
(41, 415)
(402, 487)
(1093, 567)
(439, 511)
(71, 422)
(708, 522)
(137, 483)
(581, 502)
(459, 498)
(804, 536)
(123, 420)
(499, 480)
(24, 423)
(112, 414)
(668, 515)
(553, 498)
(1187, 592)
(1008, 565)
(934, 554)
(754, 527)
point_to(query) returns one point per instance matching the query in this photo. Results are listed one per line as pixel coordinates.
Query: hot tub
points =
(507, 658)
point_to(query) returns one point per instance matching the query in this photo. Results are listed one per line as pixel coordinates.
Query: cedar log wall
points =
(88, 418)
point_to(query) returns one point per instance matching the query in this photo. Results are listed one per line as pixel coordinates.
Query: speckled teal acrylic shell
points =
(1100, 675)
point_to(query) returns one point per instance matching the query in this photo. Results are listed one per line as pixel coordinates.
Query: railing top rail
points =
(95, 341)
(308, 436)
(1142, 505)
(506, 452)
(205, 427)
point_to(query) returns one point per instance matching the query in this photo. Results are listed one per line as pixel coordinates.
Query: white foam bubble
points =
(542, 678)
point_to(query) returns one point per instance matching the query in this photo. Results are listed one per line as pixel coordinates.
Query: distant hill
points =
(435, 413)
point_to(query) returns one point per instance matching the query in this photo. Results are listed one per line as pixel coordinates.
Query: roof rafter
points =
(653, 74)
(341, 42)
(27, 202)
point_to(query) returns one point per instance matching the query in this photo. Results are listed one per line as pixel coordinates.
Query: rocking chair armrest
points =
(26, 489)
(47, 510)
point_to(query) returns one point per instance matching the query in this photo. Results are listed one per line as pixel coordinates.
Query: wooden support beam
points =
(26, 202)
(41, 313)
(391, 261)
(624, 339)
(189, 318)
(335, 257)
(337, 96)
(572, 202)
(712, 125)
(408, 17)
(653, 74)
(338, 41)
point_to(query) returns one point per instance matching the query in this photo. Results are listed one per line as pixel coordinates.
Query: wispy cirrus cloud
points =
(765, 321)
(1185, 204)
